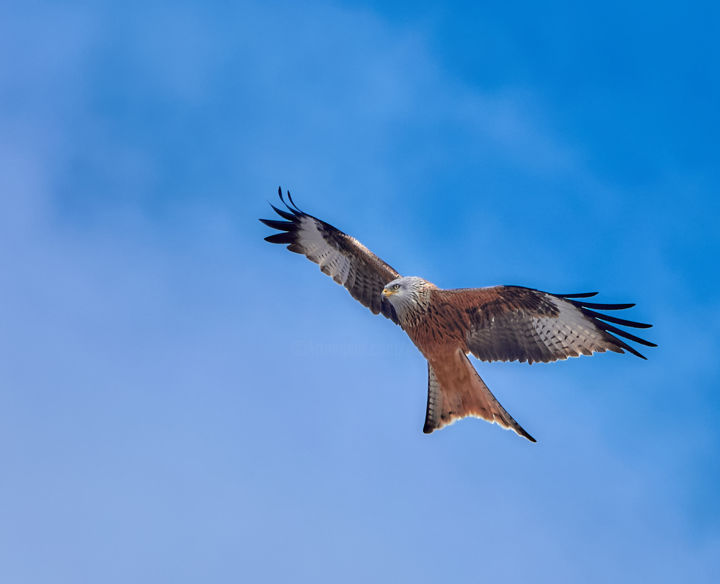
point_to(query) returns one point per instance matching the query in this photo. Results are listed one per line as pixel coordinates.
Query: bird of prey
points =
(498, 323)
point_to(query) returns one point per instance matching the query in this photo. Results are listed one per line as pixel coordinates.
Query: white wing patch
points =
(331, 261)
(570, 334)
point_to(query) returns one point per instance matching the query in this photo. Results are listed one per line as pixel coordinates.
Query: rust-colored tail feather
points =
(455, 391)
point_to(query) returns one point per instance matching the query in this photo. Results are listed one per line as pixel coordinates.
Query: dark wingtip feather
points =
(613, 329)
(292, 206)
(283, 237)
(603, 306)
(282, 198)
(293, 202)
(614, 319)
(284, 214)
(622, 346)
(578, 295)
(601, 321)
(628, 348)
(281, 225)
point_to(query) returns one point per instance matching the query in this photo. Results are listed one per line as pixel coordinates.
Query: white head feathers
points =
(406, 294)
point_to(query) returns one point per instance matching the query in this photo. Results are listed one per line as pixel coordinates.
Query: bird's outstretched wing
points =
(343, 258)
(512, 323)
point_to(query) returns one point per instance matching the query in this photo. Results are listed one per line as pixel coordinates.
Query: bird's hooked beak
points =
(387, 292)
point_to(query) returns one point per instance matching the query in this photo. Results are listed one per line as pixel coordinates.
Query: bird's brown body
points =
(438, 328)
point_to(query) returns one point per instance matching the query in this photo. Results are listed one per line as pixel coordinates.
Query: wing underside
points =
(512, 323)
(339, 255)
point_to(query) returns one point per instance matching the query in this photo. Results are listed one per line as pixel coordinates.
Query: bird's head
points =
(404, 293)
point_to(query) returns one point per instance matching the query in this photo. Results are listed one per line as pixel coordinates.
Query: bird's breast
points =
(440, 325)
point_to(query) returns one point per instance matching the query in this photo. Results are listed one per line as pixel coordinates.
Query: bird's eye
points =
(396, 287)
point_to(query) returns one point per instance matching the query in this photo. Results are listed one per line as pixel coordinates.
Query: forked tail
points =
(455, 391)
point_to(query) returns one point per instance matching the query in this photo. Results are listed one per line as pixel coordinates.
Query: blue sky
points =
(180, 401)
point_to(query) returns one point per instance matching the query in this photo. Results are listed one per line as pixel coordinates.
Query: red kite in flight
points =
(499, 323)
